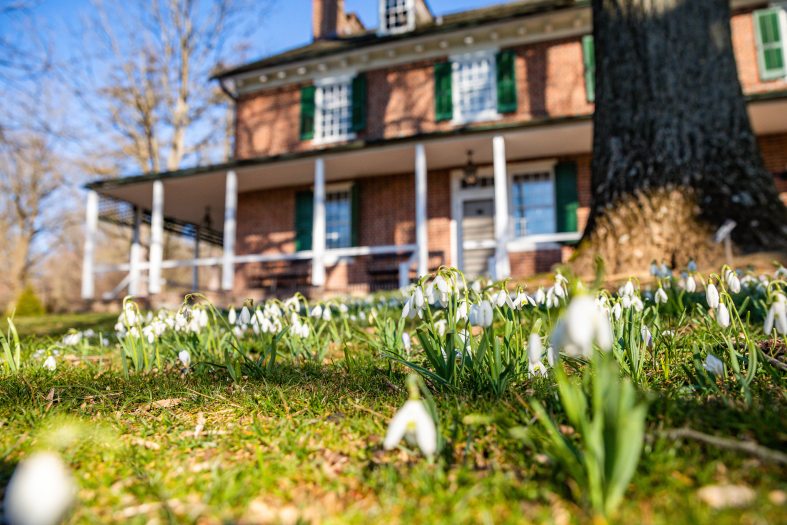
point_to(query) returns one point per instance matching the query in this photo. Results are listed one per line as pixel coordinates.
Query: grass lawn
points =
(301, 440)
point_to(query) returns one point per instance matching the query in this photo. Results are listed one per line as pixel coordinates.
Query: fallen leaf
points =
(724, 496)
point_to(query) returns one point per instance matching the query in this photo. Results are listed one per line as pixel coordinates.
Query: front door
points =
(478, 233)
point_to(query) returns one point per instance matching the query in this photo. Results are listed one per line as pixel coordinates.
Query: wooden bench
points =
(279, 276)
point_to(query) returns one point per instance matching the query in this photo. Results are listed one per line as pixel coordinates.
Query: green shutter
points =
(307, 112)
(444, 109)
(359, 102)
(506, 81)
(355, 215)
(566, 197)
(304, 218)
(770, 43)
(589, 60)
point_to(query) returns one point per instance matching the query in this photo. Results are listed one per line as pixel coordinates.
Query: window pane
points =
(475, 87)
(334, 111)
(533, 199)
(338, 220)
(396, 14)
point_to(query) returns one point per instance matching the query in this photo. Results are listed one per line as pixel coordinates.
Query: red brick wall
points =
(774, 154)
(525, 264)
(268, 123)
(744, 44)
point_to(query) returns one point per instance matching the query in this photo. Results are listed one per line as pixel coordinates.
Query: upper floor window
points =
(476, 86)
(770, 27)
(475, 90)
(397, 16)
(534, 204)
(333, 115)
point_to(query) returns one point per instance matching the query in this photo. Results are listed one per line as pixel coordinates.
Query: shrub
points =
(28, 303)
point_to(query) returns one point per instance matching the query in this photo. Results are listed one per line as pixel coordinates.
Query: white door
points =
(478, 234)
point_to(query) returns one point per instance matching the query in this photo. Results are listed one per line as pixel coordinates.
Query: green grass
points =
(305, 441)
(58, 324)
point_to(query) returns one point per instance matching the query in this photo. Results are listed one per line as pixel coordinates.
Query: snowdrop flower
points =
(691, 284)
(661, 296)
(245, 315)
(500, 298)
(553, 301)
(233, 316)
(540, 296)
(442, 285)
(481, 314)
(414, 304)
(521, 300)
(441, 325)
(628, 289)
(552, 356)
(185, 358)
(713, 365)
(581, 325)
(617, 311)
(40, 492)
(406, 342)
(723, 316)
(316, 311)
(413, 423)
(733, 282)
(712, 295)
(50, 364)
(535, 351)
(647, 337)
(326, 313)
(560, 285)
(777, 316)
(461, 311)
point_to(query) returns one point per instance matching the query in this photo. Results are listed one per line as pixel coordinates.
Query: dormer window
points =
(397, 16)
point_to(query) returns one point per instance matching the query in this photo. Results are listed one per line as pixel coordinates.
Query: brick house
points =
(370, 156)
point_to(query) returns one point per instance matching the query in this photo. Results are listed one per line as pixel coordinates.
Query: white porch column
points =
(318, 225)
(421, 236)
(156, 238)
(135, 255)
(91, 226)
(502, 265)
(230, 211)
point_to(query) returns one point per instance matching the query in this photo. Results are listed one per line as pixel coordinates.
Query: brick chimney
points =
(327, 18)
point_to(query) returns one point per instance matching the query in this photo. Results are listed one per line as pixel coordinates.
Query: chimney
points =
(327, 18)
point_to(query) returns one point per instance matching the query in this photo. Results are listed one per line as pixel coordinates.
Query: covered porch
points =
(212, 205)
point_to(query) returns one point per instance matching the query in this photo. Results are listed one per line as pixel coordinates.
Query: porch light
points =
(471, 171)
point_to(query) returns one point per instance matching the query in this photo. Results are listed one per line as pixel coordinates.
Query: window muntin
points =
(333, 111)
(338, 219)
(397, 16)
(533, 199)
(475, 87)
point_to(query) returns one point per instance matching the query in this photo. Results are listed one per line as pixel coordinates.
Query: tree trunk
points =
(674, 155)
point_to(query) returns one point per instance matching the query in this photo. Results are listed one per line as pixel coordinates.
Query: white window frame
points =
(321, 84)
(385, 30)
(488, 114)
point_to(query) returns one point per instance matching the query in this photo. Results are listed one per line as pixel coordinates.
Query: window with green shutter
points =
(359, 103)
(566, 196)
(444, 109)
(307, 112)
(589, 60)
(506, 81)
(304, 217)
(770, 42)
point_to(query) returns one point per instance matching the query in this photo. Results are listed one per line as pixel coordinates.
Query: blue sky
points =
(287, 25)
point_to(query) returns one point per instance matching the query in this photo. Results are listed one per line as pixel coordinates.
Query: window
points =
(534, 204)
(474, 87)
(770, 26)
(333, 119)
(338, 219)
(397, 16)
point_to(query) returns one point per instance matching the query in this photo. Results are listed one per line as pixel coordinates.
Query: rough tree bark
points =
(674, 155)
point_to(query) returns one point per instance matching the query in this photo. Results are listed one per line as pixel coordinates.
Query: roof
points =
(441, 24)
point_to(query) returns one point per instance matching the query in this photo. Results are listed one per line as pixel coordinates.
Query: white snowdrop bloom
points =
(647, 336)
(637, 304)
(712, 295)
(50, 363)
(560, 288)
(535, 352)
(413, 423)
(552, 356)
(481, 314)
(713, 365)
(343, 308)
(691, 284)
(733, 282)
(540, 296)
(406, 341)
(441, 325)
(660, 296)
(461, 311)
(316, 311)
(326, 313)
(245, 315)
(628, 289)
(777, 316)
(521, 300)
(502, 297)
(723, 316)
(40, 492)
(185, 358)
(72, 339)
(552, 301)
(581, 325)
(429, 294)
(442, 285)
(233, 316)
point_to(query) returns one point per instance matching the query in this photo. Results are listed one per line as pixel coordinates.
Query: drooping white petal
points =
(40, 492)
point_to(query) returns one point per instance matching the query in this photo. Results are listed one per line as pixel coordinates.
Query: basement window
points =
(333, 115)
(397, 16)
